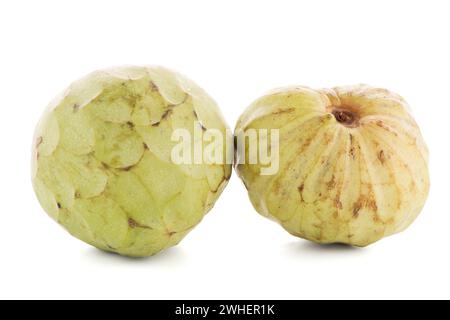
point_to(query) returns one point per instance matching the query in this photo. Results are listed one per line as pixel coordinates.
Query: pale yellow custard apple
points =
(353, 166)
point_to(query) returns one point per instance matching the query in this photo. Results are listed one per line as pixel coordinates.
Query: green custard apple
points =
(102, 160)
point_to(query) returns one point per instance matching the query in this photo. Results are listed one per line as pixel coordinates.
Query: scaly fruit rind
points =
(102, 166)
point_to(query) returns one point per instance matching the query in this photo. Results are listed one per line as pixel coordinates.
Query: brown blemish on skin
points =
(105, 166)
(133, 224)
(305, 145)
(377, 219)
(59, 205)
(300, 190)
(200, 123)
(77, 195)
(130, 124)
(382, 125)
(352, 152)
(332, 183)
(364, 202)
(153, 87)
(352, 147)
(357, 208)
(165, 115)
(382, 156)
(372, 204)
(76, 108)
(282, 111)
(126, 169)
(224, 179)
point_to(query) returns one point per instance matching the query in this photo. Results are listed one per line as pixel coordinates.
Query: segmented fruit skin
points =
(102, 160)
(342, 179)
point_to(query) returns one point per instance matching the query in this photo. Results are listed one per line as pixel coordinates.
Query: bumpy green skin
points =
(102, 163)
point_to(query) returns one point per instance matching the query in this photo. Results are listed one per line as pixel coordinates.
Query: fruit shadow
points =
(314, 249)
(172, 256)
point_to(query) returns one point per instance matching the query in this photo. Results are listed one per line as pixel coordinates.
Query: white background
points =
(236, 50)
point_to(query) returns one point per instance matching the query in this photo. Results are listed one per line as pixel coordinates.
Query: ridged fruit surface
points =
(353, 163)
(102, 163)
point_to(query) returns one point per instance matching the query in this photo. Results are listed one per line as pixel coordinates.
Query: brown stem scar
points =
(347, 118)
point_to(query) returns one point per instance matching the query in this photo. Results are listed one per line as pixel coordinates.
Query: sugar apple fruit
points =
(102, 163)
(353, 166)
